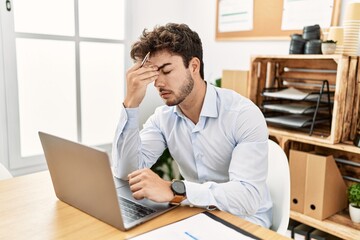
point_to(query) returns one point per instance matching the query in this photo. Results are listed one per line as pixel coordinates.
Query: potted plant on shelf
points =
(328, 47)
(354, 202)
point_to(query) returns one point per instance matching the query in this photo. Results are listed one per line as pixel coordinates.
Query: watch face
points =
(178, 187)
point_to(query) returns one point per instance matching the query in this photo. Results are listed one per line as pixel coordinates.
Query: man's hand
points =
(137, 79)
(144, 183)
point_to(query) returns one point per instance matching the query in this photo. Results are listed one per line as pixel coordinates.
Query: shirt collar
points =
(209, 108)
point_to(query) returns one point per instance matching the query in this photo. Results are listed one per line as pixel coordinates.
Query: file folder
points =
(325, 188)
(297, 164)
(317, 186)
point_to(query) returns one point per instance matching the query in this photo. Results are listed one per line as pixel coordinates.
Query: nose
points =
(160, 81)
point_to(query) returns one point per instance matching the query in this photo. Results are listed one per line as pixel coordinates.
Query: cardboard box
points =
(325, 189)
(297, 164)
(317, 186)
(236, 80)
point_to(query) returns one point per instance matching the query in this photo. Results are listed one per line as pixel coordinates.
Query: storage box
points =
(236, 80)
(316, 184)
(302, 232)
(325, 189)
(291, 226)
(297, 165)
(320, 235)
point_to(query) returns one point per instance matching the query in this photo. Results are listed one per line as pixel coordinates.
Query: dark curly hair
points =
(178, 39)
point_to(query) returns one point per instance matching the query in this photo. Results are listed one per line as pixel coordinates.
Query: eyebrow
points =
(164, 65)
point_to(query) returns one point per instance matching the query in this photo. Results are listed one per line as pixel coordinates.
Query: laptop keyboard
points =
(132, 211)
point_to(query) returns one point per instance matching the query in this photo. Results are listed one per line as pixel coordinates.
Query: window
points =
(64, 71)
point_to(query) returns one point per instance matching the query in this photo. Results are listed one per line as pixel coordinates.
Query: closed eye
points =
(166, 72)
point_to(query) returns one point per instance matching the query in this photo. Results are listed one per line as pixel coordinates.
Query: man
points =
(217, 137)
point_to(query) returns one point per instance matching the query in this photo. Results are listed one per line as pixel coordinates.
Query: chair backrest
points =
(279, 184)
(4, 173)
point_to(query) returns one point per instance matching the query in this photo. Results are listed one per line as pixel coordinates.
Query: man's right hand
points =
(137, 79)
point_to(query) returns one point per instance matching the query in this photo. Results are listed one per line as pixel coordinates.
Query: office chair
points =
(278, 181)
(4, 173)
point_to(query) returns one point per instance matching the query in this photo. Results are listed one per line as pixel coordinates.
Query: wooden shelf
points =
(338, 225)
(343, 73)
(335, 57)
(285, 135)
(339, 70)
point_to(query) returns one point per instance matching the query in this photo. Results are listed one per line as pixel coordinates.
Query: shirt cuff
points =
(199, 195)
(132, 118)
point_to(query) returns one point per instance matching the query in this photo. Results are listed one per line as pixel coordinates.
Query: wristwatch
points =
(178, 188)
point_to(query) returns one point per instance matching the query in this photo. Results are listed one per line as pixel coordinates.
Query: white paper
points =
(235, 15)
(297, 121)
(291, 93)
(291, 120)
(198, 227)
(295, 108)
(300, 13)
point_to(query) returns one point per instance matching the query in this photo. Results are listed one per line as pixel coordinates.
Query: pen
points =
(190, 235)
(145, 59)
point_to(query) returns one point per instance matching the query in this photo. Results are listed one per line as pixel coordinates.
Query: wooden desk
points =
(29, 209)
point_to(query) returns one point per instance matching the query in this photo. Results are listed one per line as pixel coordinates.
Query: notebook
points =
(82, 177)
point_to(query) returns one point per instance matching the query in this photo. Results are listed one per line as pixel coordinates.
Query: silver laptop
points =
(82, 177)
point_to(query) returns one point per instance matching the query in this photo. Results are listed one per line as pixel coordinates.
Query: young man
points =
(217, 137)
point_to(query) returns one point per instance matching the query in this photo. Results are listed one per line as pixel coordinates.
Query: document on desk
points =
(203, 226)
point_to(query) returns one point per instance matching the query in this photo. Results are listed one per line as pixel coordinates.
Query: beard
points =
(185, 90)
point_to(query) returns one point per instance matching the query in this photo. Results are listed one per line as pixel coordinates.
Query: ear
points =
(194, 66)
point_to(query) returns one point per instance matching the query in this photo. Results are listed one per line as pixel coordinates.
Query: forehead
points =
(164, 57)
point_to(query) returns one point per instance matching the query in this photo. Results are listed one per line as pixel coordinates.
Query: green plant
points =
(218, 82)
(165, 166)
(354, 194)
(329, 41)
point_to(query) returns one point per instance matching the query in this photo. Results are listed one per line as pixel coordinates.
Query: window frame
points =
(9, 107)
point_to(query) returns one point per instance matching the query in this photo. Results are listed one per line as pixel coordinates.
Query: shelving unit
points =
(339, 224)
(343, 75)
(340, 71)
(298, 108)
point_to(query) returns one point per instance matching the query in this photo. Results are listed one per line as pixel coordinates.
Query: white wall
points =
(219, 55)
(147, 14)
(4, 159)
(200, 15)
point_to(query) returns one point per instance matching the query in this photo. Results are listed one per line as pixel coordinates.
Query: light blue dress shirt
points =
(223, 158)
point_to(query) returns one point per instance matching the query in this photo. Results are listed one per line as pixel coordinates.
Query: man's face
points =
(174, 82)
